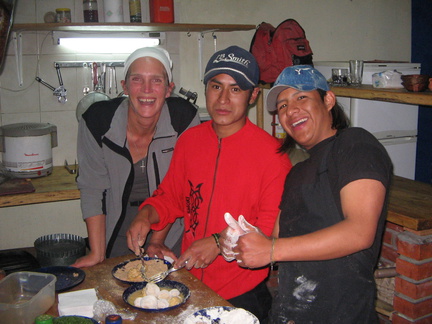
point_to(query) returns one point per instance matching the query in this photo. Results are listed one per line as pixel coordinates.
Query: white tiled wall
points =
(34, 102)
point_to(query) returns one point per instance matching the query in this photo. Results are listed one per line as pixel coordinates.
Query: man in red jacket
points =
(227, 164)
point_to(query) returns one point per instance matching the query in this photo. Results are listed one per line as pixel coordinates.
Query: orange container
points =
(161, 11)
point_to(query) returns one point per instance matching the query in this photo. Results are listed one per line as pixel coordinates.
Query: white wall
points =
(336, 29)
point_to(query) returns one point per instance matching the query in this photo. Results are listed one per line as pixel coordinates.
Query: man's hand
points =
(199, 255)
(253, 250)
(159, 250)
(140, 227)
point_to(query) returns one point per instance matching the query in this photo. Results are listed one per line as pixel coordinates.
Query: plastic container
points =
(161, 11)
(90, 11)
(59, 249)
(26, 295)
(63, 15)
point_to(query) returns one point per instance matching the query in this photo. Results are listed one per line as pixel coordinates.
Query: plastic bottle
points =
(135, 10)
(90, 10)
(44, 319)
(113, 319)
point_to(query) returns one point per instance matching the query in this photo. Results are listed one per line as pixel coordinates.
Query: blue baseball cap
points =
(300, 77)
(236, 62)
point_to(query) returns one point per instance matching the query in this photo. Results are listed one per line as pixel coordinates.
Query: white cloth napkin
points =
(235, 230)
(78, 302)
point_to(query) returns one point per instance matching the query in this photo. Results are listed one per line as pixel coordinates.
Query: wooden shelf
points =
(131, 27)
(390, 95)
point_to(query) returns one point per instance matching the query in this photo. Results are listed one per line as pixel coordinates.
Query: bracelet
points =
(216, 238)
(272, 262)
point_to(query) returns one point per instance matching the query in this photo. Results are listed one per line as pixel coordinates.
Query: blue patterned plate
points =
(121, 266)
(222, 315)
(167, 284)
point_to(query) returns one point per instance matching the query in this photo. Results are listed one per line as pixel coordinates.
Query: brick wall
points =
(411, 253)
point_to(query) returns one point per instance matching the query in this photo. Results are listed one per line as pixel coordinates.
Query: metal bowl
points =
(59, 249)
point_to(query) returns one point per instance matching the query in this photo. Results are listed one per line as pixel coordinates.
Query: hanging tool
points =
(60, 91)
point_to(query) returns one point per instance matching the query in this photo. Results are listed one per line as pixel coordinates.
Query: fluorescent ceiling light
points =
(106, 42)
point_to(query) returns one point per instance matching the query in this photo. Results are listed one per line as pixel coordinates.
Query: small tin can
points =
(63, 15)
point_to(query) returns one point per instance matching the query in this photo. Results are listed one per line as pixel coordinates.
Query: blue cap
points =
(300, 77)
(236, 62)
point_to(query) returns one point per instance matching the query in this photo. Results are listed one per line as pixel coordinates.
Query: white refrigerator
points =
(393, 124)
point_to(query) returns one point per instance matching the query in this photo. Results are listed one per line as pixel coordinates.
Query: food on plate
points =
(221, 315)
(154, 297)
(72, 320)
(132, 271)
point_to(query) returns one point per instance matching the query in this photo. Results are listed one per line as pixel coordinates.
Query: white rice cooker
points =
(27, 148)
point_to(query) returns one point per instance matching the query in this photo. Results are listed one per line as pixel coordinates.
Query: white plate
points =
(222, 315)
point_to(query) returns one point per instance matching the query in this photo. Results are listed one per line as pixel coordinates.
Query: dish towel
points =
(78, 302)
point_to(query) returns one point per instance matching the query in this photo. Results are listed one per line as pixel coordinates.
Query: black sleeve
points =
(182, 112)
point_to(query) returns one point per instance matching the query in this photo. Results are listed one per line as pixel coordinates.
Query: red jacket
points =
(241, 174)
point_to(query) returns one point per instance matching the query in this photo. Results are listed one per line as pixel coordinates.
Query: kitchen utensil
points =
(86, 78)
(93, 96)
(160, 276)
(59, 249)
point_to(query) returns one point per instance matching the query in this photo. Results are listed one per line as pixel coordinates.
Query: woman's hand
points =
(88, 260)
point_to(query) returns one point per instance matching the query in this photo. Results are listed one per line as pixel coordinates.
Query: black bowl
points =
(121, 265)
(184, 292)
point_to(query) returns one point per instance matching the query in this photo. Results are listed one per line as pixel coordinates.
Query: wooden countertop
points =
(410, 203)
(58, 186)
(390, 95)
(100, 277)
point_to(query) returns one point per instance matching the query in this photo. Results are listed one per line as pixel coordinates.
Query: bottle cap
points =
(113, 319)
(44, 319)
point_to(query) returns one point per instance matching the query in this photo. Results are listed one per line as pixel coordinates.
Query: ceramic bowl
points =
(164, 284)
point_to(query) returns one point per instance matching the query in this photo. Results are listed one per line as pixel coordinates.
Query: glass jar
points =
(90, 11)
(135, 10)
(63, 15)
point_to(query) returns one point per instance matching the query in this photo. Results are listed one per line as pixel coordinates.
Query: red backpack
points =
(276, 48)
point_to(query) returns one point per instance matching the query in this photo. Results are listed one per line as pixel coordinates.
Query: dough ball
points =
(164, 294)
(162, 303)
(175, 300)
(137, 302)
(174, 292)
(152, 289)
(149, 302)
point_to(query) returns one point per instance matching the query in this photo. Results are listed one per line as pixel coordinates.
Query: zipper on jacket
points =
(212, 192)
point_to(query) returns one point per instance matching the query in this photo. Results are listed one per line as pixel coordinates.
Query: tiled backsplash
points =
(34, 102)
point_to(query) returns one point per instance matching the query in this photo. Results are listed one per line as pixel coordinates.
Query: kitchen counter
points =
(58, 186)
(410, 202)
(100, 277)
